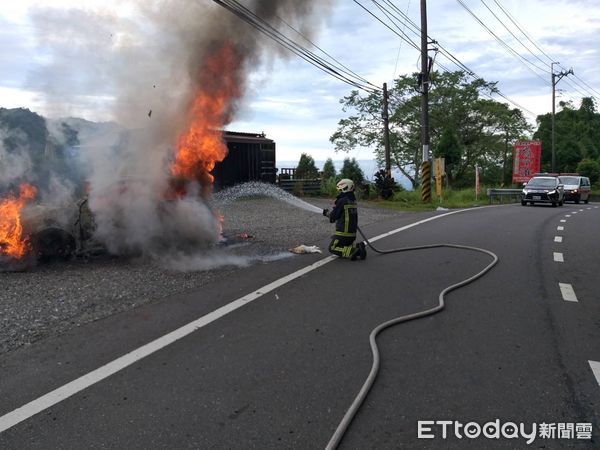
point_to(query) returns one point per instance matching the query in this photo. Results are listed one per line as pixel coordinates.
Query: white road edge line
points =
(567, 292)
(595, 365)
(56, 396)
(557, 238)
(558, 257)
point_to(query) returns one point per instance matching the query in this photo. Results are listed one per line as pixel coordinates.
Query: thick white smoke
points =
(14, 165)
(141, 64)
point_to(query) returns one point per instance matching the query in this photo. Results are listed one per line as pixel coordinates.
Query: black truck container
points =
(251, 157)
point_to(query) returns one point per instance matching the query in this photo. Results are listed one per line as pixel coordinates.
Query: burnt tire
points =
(53, 243)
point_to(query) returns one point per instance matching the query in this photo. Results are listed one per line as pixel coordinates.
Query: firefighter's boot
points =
(363, 251)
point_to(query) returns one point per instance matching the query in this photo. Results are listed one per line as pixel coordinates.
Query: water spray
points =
(258, 189)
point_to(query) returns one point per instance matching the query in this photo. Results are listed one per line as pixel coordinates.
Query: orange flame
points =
(201, 146)
(12, 243)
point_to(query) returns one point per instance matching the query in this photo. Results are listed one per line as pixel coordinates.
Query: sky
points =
(288, 99)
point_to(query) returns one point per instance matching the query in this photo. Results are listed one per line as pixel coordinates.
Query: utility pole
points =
(425, 165)
(386, 133)
(556, 77)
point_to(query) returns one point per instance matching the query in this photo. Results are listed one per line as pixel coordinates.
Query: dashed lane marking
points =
(567, 215)
(559, 228)
(595, 365)
(563, 220)
(567, 292)
(558, 257)
(557, 238)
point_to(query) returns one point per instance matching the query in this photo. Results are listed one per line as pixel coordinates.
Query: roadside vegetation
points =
(406, 200)
(468, 129)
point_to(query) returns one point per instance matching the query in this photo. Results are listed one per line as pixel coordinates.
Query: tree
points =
(384, 185)
(306, 167)
(589, 168)
(479, 125)
(352, 170)
(329, 170)
(449, 148)
(577, 135)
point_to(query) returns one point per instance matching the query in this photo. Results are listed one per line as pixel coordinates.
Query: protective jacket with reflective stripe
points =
(345, 215)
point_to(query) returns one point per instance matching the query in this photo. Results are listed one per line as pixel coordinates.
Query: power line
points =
(537, 46)
(520, 58)
(388, 14)
(587, 85)
(522, 30)
(323, 51)
(514, 52)
(516, 38)
(494, 91)
(339, 72)
(447, 54)
(400, 46)
(407, 20)
(401, 36)
(417, 31)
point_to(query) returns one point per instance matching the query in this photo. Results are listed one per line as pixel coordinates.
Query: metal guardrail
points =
(300, 186)
(502, 193)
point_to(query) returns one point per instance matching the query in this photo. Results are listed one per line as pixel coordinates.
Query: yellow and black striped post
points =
(425, 182)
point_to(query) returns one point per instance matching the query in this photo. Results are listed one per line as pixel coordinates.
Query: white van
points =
(577, 188)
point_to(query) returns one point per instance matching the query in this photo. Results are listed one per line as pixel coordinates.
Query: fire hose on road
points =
(366, 387)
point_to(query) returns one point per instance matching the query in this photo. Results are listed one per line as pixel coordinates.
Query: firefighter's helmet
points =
(345, 185)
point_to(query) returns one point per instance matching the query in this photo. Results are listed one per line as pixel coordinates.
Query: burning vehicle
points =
(30, 232)
(147, 192)
(174, 100)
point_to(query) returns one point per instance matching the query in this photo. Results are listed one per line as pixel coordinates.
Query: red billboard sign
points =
(527, 160)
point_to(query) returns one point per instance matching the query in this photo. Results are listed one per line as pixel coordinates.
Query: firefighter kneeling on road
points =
(345, 216)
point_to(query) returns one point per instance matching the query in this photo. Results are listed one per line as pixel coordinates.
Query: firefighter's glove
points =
(326, 212)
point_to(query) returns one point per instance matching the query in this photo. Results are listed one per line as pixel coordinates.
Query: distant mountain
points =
(35, 150)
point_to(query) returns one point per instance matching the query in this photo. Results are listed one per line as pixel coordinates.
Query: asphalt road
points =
(280, 371)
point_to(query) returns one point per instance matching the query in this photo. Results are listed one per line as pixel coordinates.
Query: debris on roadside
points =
(302, 249)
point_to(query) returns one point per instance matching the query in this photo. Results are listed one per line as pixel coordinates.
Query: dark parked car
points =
(543, 190)
(577, 188)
